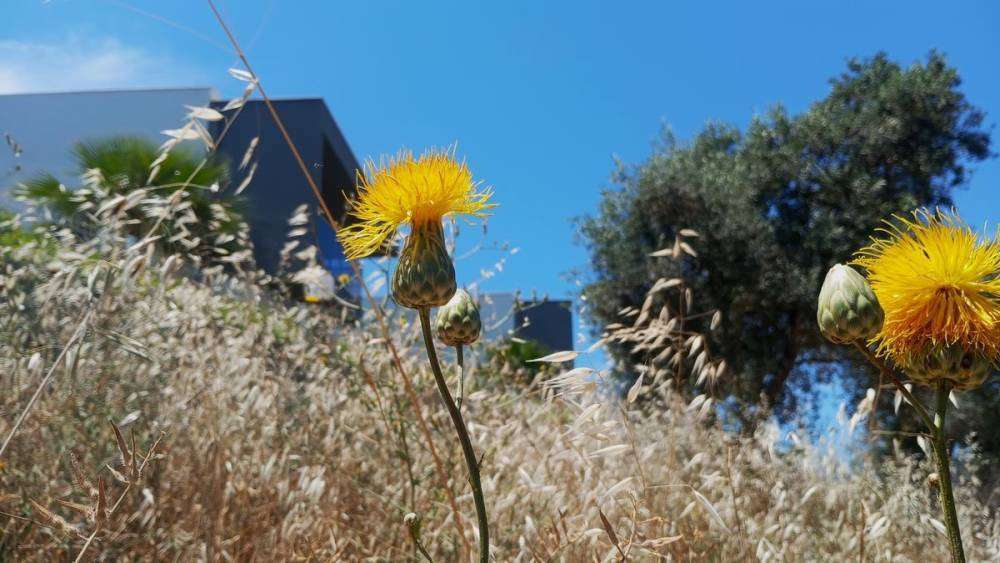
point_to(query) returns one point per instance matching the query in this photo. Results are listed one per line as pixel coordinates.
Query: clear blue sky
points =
(539, 95)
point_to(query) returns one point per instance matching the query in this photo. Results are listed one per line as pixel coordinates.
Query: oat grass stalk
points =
(134, 472)
(463, 436)
(77, 334)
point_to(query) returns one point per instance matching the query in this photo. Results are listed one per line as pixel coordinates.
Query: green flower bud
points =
(425, 276)
(964, 369)
(458, 322)
(848, 310)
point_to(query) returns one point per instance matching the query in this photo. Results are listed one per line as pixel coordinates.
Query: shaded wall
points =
(548, 322)
(278, 186)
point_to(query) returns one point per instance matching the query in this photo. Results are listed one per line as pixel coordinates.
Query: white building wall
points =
(46, 126)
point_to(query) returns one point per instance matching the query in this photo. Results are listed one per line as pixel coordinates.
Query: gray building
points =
(548, 322)
(45, 127)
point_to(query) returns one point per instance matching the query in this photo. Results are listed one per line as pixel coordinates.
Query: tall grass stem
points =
(78, 333)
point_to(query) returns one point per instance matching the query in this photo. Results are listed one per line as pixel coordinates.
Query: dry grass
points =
(286, 435)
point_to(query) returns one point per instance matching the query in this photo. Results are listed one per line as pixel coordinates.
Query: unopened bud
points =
(848, 309)
(457, 322)
(413, 522)
(425, 275)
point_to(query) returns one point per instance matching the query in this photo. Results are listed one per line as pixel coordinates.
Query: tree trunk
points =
(775, 390)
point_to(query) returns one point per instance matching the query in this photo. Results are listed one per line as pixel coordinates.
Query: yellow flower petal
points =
(938, 283)
(405, 189)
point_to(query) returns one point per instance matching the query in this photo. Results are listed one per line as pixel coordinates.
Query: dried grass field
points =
(256, 430)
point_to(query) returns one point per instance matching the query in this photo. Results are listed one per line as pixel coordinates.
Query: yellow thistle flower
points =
(407, 190)
(419, 192)
(939, 285)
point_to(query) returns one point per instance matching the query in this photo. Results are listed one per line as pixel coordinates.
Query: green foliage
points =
(776, 206)
(180, 179)
(509, 358)
(14, 235)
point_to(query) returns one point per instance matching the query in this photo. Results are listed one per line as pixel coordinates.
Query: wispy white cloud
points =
(78, 63)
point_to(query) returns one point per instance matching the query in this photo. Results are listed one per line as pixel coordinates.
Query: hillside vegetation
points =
(265, 430)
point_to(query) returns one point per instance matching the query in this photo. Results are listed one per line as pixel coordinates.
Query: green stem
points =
(889, 373)
(460, 360)
(423, 551)
(946, 495)
(944, 477)
(414, 526)
(463, 436)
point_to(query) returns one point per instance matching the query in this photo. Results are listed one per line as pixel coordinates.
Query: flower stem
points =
(947, 497)
(888, 372)
(460, 360)
(463, 436)
(413, 523)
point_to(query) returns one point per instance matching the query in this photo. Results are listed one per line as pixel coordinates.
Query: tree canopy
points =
(777, 205)
(176, 193)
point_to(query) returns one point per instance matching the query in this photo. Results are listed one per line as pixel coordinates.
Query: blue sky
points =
(540, 96)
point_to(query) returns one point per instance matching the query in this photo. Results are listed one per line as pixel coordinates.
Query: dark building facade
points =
(547, 322)
(278, 186)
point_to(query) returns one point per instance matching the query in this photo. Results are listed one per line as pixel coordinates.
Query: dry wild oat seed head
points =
(938, 284)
